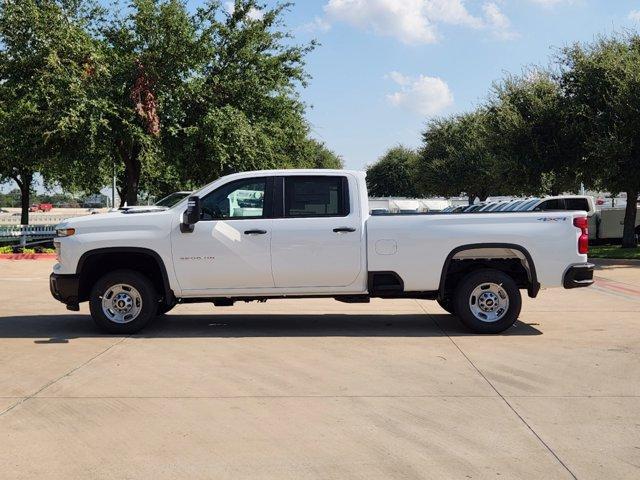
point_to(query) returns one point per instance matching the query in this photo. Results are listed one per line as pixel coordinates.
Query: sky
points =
(385, 67)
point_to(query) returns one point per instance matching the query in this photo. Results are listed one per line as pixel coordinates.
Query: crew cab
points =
(256, 236)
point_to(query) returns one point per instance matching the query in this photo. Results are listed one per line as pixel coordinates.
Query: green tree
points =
(148, 58)
(457, 157)
(187, 98)
(317, 155)
(242, 110)
(45, 63)
(532, 130)
(168, 98)
(391, 175)
(602, 80)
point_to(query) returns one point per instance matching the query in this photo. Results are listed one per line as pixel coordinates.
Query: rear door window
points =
(319, 196)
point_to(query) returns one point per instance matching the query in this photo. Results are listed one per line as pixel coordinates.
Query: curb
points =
(27, 256)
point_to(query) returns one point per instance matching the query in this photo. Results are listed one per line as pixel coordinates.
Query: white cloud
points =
(550, 3)
(423, 94)
(253, 14)
(498, 22)
(405, 20)
(634, 15)
(319, 24)
(450, 11)
(415, 21)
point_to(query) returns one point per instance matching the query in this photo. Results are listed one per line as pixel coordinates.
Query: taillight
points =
(583, 241)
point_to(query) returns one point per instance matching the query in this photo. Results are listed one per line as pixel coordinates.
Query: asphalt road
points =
(319, 389)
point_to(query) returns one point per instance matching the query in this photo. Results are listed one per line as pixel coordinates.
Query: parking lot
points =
(320, 389)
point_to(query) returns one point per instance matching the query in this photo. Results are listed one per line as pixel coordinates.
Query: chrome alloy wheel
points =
(121, 303)
(489, 302)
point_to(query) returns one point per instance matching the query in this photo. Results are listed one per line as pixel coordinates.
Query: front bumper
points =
(65, 288)
(580, 275)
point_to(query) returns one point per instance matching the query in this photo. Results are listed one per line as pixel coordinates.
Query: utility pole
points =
(113, 187)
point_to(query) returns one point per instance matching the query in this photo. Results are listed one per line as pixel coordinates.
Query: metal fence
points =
(36, 219)
(27, 234)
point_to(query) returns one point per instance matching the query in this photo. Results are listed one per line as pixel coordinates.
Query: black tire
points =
(164, 308)
(463, 301)
(146, 295)
(447, 305)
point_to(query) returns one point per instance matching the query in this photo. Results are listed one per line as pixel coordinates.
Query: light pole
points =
(113, 187)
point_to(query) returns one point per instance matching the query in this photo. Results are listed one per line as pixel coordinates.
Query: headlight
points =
(65, 232)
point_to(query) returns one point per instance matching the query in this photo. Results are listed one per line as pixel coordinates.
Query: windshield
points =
(172, 199)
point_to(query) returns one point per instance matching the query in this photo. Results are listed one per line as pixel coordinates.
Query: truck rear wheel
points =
(488, 301)
(123, 302)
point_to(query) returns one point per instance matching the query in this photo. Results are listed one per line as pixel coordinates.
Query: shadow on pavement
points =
(60, 328)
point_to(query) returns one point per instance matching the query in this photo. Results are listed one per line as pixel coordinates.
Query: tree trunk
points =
(24, 184)
(122, 194)
(132, 178)
(629, 232)
(132, 169)
(472, 198)
(24, 203)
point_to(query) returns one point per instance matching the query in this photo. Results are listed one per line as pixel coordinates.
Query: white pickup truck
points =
(308, 233)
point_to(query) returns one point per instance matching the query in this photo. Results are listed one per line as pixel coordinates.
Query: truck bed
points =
(417, 246)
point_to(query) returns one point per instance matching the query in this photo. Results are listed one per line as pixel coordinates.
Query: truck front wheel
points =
(488, 301)
(123, 302)
(164, 308)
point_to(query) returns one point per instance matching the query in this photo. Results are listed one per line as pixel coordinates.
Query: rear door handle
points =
(344, 229)
(255, 232)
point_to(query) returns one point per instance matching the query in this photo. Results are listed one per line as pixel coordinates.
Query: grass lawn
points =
(613, 251)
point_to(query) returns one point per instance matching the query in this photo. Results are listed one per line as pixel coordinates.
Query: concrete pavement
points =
(319, 389)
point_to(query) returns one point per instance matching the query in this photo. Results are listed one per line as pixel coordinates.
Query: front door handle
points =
(255, 232)
(344, 229)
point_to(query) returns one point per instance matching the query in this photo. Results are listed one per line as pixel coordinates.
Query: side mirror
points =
(192, 215)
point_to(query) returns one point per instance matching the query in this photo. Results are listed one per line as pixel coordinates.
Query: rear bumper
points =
(64, 288)
(580, 275)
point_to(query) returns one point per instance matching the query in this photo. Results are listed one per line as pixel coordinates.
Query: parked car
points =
(497, 206)
(525, 205)
(40, 207)
(307, 233)
(473, 208)
(605, 224)
(459, 208)
(509, 206)
(565, 202)
(487, 207)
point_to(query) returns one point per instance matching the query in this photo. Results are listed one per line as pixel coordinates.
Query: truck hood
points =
(142, 209)
(133, 219)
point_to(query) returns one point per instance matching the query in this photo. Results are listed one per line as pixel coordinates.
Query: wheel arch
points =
(144, 260)
(533, 286)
